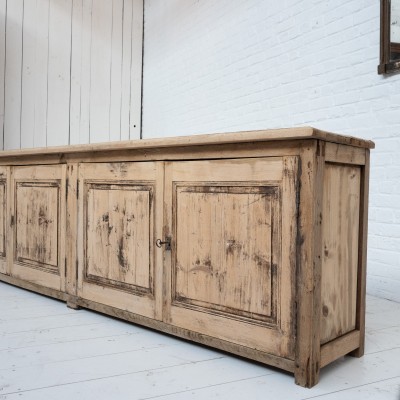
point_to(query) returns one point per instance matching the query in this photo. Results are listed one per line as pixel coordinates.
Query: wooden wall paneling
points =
(100, 71)
(116, 59)
(59, 72)
(309, 264)
(3, 16)
(12, 105)
(38, 234)
(340, 213)
(126, 68)
(4, 192)
(80, 72)
(136, 71)
(34, 73)
(77, 46)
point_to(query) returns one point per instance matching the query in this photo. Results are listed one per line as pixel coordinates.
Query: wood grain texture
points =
(309, 265)
(271, 135)
(340, 214)
(362, 256)
(239, 220)
(71, 256)
(4, 192)
(338, 153)
(209, 274)
(339, 347)
(252, 353)
(38, 209)
(263, 237)
(37, 224)
(117, 232)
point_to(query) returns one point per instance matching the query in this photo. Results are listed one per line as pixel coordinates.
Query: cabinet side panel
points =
(340, 230)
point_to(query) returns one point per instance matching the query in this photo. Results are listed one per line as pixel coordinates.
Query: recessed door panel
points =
(227, 249)
(118, 207)
(230, 270)
(38, 206)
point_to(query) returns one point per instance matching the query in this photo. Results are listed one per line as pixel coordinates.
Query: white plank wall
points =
(70, 71)
(2, 65)
(59, 67)
(13, 74)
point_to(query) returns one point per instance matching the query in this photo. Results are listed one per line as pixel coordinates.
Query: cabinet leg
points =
(307, 375)
(72, 303)
(357, 352)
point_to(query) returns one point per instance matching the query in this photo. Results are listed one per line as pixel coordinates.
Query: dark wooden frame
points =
(386, 65)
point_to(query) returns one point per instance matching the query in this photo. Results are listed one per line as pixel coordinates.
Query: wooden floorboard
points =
(49, 351)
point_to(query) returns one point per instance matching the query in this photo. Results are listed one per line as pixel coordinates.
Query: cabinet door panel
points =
(39, 225)
(231, 270)
(4, 192)
(242, 221)
(117, 224)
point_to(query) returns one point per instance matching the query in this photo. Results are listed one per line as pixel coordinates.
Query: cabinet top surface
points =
(199, 140)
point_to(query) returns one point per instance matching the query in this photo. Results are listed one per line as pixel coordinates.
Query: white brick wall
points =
(228, 65)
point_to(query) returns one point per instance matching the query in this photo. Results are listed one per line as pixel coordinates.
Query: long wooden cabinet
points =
(251, 242)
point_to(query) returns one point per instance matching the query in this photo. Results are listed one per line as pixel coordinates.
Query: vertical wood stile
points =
(167, 255)
(158, 228)
(4, 227)
(10, 221)
(71, 229)
(309, 249)
(362, 256)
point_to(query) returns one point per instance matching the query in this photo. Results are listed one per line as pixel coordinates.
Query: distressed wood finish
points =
(4, 192)
(340, 231)
(38, 211)
(118, 230)
(227, 266)
(261, 238)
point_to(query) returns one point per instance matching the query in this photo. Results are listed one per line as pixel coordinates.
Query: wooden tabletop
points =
(199, 140)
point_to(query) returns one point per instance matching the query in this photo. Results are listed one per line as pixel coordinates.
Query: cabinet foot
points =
(73, 305)
(307, 376)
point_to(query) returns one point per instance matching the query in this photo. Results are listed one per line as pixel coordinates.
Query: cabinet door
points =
(4, 192)
(119, 206)
(230, 271)
(38, 214)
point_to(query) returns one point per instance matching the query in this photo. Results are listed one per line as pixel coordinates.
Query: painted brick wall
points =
(215, 66)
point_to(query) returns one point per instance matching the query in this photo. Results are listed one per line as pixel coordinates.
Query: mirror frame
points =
(386, 65)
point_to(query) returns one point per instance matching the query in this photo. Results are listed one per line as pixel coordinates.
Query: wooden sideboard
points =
(250, 242)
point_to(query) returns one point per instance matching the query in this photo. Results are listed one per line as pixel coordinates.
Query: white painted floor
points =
(48, 351)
